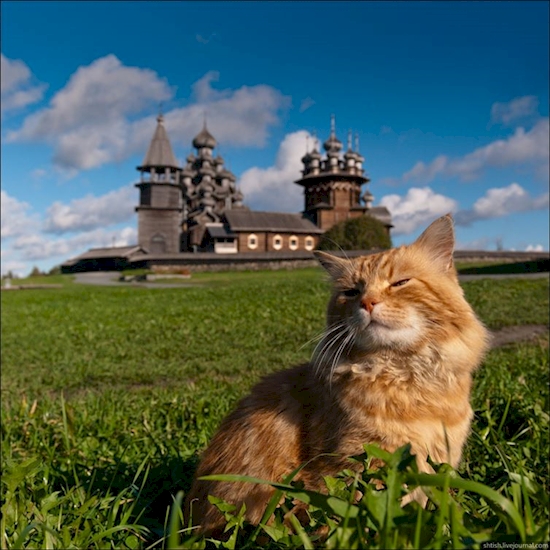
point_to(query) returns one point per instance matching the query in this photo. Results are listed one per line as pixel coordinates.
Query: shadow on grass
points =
(535, 266)
(155, 488)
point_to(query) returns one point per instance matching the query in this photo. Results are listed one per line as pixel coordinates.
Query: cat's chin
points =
(377, 335)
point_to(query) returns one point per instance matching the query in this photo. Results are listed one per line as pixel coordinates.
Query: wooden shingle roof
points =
(245, 220)
(160, 154)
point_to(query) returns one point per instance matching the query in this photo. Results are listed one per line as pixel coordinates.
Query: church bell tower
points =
(160, 197)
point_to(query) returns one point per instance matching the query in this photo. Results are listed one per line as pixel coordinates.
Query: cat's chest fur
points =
(392, 399)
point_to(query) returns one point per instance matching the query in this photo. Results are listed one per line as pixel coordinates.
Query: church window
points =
(252, 241)
(277, 242)
(293, 242)
(310, 243)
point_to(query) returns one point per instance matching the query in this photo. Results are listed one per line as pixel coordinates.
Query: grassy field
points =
(109, 394)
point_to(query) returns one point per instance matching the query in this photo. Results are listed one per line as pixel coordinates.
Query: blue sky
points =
(450, 101)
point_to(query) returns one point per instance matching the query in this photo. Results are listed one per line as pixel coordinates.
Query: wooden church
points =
(198, 207)
(196, 210)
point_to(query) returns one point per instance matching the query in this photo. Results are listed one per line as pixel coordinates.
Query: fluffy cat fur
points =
(394, 367)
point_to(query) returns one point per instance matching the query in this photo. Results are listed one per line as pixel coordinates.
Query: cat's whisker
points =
(325, 335)
(330, 351)
(318, 336)
(345, 345)
(325, 350)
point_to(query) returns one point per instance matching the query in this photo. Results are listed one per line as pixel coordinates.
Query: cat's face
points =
(401, 298)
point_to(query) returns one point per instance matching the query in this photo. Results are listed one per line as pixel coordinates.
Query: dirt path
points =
(518, 333)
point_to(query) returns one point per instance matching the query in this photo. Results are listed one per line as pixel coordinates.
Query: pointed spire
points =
(349, 139)
(160, 154)
(307, 143)
(332, 126)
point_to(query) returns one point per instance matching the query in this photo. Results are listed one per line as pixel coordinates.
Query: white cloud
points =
(501, 201)
(91, 212)
(534, 248)
(483, 243)
(240, 117)
(203, 40)
(306, 104)
(85, 121)
(523, 147)
(417, 208)
(15, 217)
(38, 173)
(18, 268)
(273, 188)
(24, 238)
(512, 111)
(92, 120)
(34, 247)
(16, 85)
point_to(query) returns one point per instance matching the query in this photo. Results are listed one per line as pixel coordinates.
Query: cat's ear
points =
(336, 267)
(439, 241)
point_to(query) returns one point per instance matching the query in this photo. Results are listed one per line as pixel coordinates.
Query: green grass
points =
(109, 394)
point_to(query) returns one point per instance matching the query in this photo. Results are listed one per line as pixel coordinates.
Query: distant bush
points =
(362, 233)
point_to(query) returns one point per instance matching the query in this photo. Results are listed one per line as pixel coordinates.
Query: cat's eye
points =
(401, 282)
(351, 292)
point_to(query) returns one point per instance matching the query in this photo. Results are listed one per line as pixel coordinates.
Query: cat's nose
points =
(368, 303)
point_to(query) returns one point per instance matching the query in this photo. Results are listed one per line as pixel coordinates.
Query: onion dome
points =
(367, 198)
(207, 200)
(204, 139)
(238, 198)
(227, 174)
(207, 170)
(315, 154)
(191, 158)
(332, 144)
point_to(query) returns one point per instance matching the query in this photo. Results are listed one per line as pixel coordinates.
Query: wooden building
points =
(198, 208)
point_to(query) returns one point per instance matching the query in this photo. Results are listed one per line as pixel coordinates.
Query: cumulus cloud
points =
(95, 118)
(501, 201)
(240, 117)
(515, 110)
(86, 120)
(16, 218)
(17, 85)
(483, 243)
(417, 208)
(534, 248)
(35, 247)
(521, 148)
(90, 219)
(272, 188)
(91, 212)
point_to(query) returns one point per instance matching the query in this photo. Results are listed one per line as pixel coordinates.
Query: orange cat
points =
(393, 367)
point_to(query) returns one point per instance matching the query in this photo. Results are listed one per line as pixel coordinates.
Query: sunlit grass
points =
(109, 394)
